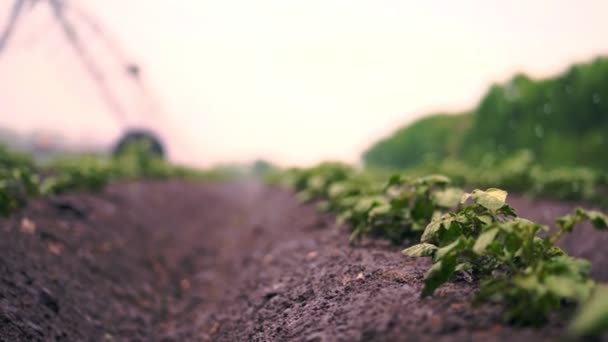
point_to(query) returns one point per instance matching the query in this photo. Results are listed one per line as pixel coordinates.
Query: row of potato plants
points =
(521, 173)
(477, 235)
(21, 178)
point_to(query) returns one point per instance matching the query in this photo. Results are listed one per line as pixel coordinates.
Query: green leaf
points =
(423, 209)
(507, 210)
(565, 264)
(485, 219)
(592, 316)
(316, 182)
(598, 220)
(566, 223)
(343, 217)
(528, 282)
(564, 286)
(304, 196)
(492, 199)
(431, 231)
(323, 206)
(337, 190)
(463, 267)
(484, 240)
(444, 251)
(399, 203)
(438, 274)
(356, 234)
(465, 197)
(380, 209)
(448, 198)
(434, 180)
(364, 204)
(420, 250)
(394, 180)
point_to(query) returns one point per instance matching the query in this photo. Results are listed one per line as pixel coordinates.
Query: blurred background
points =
(297, 82)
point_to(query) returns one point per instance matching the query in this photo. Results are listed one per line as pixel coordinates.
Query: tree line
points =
(561, 120)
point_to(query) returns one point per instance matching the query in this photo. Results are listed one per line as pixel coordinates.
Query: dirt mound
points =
(229, 262)
(140, 262)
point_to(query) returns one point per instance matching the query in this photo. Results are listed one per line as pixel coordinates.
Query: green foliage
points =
(261, 169)
(93, 173)
(592, 317)
(569, 184)
(521, 173)
(88, 173)
(20, 178)
(539, 136)
(396, 210)
(137, 160)
(10, 159)
(562, 120)
(427, 140)
(516, 261)
(16, 184)
(17, 180)
(532, 293)
(402, 209)
(314, 183)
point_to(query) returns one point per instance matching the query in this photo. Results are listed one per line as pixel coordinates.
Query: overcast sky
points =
(291, 81)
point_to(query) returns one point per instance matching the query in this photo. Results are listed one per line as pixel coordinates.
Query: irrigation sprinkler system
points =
(73, 21)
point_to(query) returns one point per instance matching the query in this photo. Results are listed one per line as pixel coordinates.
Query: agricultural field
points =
(133, 248)
(315, 171)
(451, 230)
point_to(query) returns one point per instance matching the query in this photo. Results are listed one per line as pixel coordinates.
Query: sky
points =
(294, 82)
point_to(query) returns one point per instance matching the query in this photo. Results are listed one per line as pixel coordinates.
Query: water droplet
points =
(539, 131)
(547, 108)
(511, 91)
(596, 98)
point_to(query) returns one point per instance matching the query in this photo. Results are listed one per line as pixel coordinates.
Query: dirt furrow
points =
(172, 261)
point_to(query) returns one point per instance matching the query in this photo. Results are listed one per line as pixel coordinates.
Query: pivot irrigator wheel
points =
(145, 138)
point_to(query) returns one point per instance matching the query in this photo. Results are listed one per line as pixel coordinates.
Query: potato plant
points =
(21, 178)
(18, 180)
(16, 185)
(516, 261)
(520, 172)
(403, 208)
(396, 210)
(83, 173)
(476, 235)
(314, 183)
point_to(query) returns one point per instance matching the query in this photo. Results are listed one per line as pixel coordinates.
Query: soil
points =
(174, 261)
